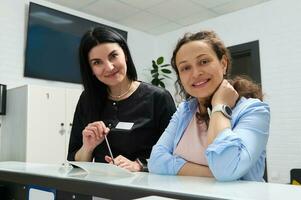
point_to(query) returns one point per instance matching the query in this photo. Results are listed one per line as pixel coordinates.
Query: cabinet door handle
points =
(62, 131)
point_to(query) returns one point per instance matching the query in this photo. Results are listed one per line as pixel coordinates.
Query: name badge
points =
(124, 125)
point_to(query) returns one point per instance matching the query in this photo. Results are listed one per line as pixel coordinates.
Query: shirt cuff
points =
(178, 163)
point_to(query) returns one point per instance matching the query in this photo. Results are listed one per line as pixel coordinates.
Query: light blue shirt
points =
(235, 154)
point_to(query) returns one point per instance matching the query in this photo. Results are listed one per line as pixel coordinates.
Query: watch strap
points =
(221, 108)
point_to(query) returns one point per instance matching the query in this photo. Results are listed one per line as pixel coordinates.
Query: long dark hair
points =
(96, 91)
(244, 86)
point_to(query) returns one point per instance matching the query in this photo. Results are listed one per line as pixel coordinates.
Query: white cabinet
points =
(72, 96)
(37, 124)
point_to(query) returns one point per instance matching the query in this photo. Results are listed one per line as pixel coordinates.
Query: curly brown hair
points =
(242, 84)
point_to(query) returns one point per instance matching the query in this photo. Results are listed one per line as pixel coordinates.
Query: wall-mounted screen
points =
(52, 43)
(2, 99)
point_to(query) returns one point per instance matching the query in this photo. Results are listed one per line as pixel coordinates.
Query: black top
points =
(150, 109)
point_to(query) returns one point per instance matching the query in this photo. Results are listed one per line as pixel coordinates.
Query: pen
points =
(108, 145)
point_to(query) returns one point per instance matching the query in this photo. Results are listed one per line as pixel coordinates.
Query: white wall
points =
(13, 28)
(276, 24)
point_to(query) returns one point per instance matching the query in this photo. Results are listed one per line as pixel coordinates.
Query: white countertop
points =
(193, 186)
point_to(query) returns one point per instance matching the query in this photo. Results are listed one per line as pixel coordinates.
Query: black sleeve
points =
(76, 140)
(165, 108)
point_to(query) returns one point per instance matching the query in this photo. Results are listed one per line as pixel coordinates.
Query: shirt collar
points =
(191, 104)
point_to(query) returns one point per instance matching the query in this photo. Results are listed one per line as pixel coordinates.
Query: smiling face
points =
(108, 63)
(200, 71)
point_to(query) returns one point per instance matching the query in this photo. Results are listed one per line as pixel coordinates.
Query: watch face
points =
(228, 110)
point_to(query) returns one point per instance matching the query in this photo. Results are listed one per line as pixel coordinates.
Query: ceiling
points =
(157, 16)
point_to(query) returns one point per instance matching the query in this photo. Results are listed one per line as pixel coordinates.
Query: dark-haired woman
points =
(113, 97)
(222, 128)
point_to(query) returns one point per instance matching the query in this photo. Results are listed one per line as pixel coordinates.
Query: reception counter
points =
(17, 178)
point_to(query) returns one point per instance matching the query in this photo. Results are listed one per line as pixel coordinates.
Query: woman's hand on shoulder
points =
(93, 135)
(225, 94)
(125, 163)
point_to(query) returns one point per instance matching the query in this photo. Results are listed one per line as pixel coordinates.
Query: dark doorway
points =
(246, 61)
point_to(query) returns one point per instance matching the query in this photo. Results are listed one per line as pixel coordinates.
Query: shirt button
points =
(114, 103)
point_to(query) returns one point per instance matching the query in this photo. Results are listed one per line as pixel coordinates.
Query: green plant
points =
(159, 72)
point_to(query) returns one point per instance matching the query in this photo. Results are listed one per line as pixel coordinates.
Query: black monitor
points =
(53, 39)
(2, 99)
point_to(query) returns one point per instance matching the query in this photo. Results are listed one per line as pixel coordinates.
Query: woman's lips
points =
(111, 74)
(201, 83)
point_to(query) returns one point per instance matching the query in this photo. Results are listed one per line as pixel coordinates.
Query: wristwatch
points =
(225, 109)
(143, 163)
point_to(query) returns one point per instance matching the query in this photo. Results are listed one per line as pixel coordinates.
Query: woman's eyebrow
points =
(94, 59)
(201, 55)
(112, 52)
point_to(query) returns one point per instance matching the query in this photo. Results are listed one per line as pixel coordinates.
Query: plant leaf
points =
(165, 65)
(162, 84)
(155, 75)
(154, 71)
(160, 60)
(155, 82)
(166, 71)
(155, 66)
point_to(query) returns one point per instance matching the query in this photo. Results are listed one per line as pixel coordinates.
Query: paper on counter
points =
(102, 169)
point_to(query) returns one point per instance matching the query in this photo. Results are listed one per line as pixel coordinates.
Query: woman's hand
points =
(225, 94)
(93, 135)
(125, 163)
